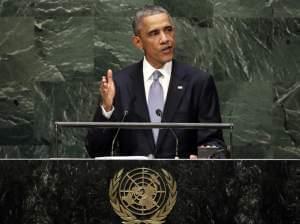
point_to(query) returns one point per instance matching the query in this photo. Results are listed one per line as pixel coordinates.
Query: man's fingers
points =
(193, 156)
(109, 75)
(108, 78)
(102, 82)
(106, 86)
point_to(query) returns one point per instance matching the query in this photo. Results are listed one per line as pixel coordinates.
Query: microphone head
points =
(158, 112)
(151, 156)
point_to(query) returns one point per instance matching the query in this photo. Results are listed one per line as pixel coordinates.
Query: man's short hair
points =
(147, 10)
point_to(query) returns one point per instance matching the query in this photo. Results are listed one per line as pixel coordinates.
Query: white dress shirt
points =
(148, 70)
(164, 80)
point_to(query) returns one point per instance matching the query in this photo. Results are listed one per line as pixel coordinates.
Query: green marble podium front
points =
(208, 191)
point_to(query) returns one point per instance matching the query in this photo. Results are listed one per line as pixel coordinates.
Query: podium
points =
(210, 191)
(202, 151)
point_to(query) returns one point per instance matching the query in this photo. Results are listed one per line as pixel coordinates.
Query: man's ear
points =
(137, 42)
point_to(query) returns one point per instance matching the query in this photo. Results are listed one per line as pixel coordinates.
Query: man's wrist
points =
(107, 114)
(107, 108)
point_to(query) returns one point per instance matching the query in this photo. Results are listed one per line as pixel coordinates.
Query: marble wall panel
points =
(243, 8)
(199, 11)
(16, 43)
(242, 49)
(16, 115)
(64, 8)
(72, 101)
(112, 41)
(67, 44)
(286, 80)
(16, 47)
(49, 8)
(286, 52)
(196, 48)
(19, 8)
(20, 60)
(286, 119)
(20, 67)
(248, 106)
(286, 8)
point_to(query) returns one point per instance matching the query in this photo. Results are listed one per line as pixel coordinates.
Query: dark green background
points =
(52, 54)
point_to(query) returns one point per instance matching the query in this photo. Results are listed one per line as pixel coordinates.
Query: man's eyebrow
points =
(157, 29)
(169, 26)
(153, 30)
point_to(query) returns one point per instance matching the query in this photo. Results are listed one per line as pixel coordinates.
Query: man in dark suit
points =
(156, 89)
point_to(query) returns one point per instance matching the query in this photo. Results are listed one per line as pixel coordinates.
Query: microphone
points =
(112, 153)
(160, 113)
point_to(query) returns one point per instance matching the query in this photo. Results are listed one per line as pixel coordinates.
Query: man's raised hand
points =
(107, 90)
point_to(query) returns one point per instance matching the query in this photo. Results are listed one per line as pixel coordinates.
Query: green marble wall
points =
(53, 52)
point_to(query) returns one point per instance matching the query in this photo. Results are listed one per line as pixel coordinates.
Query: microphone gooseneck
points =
(112, 152)
(160, 113)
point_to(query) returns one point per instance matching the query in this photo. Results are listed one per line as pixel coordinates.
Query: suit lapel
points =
(138, 88)
(176, 91)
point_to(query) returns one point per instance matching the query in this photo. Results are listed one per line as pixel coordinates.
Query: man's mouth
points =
(167, 49)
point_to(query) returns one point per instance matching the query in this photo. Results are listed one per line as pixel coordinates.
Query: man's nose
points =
(164, 38)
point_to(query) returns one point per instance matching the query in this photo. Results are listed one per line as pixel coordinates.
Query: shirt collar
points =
(148, 69)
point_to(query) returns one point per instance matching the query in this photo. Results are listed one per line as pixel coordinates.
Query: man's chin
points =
(168, 59)
(161, 62)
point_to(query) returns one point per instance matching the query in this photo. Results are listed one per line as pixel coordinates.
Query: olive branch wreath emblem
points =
(128, 218)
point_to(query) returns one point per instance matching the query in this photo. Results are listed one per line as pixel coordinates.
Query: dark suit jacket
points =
(196, 101)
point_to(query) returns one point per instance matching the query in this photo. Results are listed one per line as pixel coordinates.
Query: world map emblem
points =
(143, 195)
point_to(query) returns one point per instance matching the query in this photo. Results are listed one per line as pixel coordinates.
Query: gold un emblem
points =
(142, 195)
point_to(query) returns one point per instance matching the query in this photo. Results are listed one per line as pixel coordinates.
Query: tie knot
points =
(156, 74)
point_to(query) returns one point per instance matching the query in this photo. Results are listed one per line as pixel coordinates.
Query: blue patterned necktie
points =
(155, 101)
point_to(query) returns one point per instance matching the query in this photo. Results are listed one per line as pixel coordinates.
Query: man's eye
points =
(154, 33)
(169, 29)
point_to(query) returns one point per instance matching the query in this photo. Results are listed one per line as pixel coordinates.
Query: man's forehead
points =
(157, 20)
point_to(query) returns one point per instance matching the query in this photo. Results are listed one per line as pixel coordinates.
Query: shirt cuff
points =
(106, 114)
